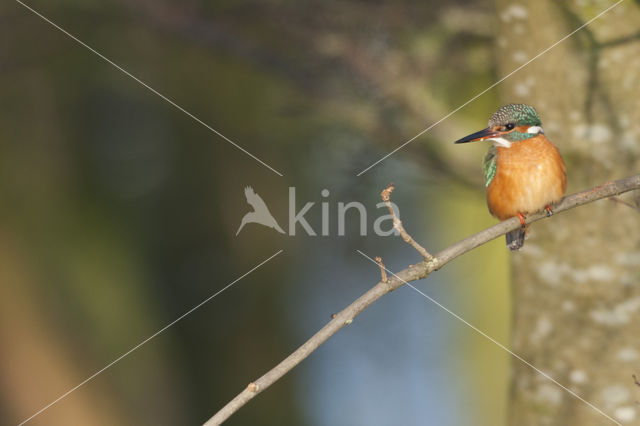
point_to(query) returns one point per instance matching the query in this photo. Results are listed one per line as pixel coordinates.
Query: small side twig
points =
(383, 270)
(397, 223)
(626, 203)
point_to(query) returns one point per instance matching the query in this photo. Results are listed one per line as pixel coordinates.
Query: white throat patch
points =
(501, 142)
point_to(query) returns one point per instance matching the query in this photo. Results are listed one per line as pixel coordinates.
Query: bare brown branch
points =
(409, 274)
(383, 270)
(397, 223)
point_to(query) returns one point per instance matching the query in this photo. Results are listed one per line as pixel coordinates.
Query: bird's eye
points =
(510, 126)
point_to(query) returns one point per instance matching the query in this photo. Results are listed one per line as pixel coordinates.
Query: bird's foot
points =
(548, 209)
(522, 220)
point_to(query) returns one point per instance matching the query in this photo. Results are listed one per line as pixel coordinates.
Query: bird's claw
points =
(549, 211)
(522, 218)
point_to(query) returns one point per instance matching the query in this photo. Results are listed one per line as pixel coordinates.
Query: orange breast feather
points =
(530, 175)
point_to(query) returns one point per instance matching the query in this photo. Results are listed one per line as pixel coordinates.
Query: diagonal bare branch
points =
(409, 274)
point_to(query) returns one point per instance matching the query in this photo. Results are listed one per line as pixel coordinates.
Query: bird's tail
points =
(515, 239)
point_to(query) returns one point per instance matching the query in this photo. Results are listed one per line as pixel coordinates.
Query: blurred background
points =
(119, 212)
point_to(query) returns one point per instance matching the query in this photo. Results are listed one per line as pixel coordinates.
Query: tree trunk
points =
(576, 282)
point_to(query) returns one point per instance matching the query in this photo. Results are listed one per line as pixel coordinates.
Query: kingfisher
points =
(523, 169)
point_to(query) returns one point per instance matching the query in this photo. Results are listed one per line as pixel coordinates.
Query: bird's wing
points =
(254, 199)
(489, 165)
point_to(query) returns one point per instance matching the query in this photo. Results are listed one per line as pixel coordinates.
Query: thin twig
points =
(625, 203)
(383, 270)
(397, 223)
(412, 273)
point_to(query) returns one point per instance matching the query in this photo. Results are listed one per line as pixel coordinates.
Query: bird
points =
(523, 170)
(260, 213)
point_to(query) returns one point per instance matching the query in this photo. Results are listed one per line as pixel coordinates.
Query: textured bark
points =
(576, 283)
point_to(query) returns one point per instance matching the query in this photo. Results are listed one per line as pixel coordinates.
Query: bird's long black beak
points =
(483, 134)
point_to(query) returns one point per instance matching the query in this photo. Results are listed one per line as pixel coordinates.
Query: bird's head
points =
(511, 123)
